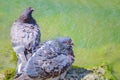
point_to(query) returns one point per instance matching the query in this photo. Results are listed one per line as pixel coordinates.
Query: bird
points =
(25, 37)
(51, 61)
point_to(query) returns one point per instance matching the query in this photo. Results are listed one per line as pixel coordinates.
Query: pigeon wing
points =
(26, 35)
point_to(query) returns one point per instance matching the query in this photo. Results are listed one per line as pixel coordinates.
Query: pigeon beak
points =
(32, 9)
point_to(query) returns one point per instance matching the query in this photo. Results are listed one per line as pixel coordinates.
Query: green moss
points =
(104, 71)
(7, 74)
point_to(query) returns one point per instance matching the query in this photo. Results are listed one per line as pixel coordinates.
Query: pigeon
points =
(51, 61)
(25, 37)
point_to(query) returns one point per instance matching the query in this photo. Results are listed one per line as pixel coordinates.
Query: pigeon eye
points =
(67, 42)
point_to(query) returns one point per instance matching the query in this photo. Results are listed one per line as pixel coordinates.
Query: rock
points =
(2, 76)
(97, 73)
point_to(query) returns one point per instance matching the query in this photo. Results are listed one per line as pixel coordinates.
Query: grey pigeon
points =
(25, 37)
(51, 61)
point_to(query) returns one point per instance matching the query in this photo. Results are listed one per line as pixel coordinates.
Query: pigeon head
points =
(28, 11)
(65, 42)
(26, 15)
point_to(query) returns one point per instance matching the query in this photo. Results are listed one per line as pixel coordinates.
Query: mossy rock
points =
(95, 73)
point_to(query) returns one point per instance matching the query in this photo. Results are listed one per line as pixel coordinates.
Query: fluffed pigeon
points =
(51, 61)
(25, 37)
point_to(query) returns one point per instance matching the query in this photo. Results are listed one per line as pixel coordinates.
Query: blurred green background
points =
(94, 26)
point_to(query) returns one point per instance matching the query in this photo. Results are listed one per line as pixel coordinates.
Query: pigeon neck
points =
(22, 19)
